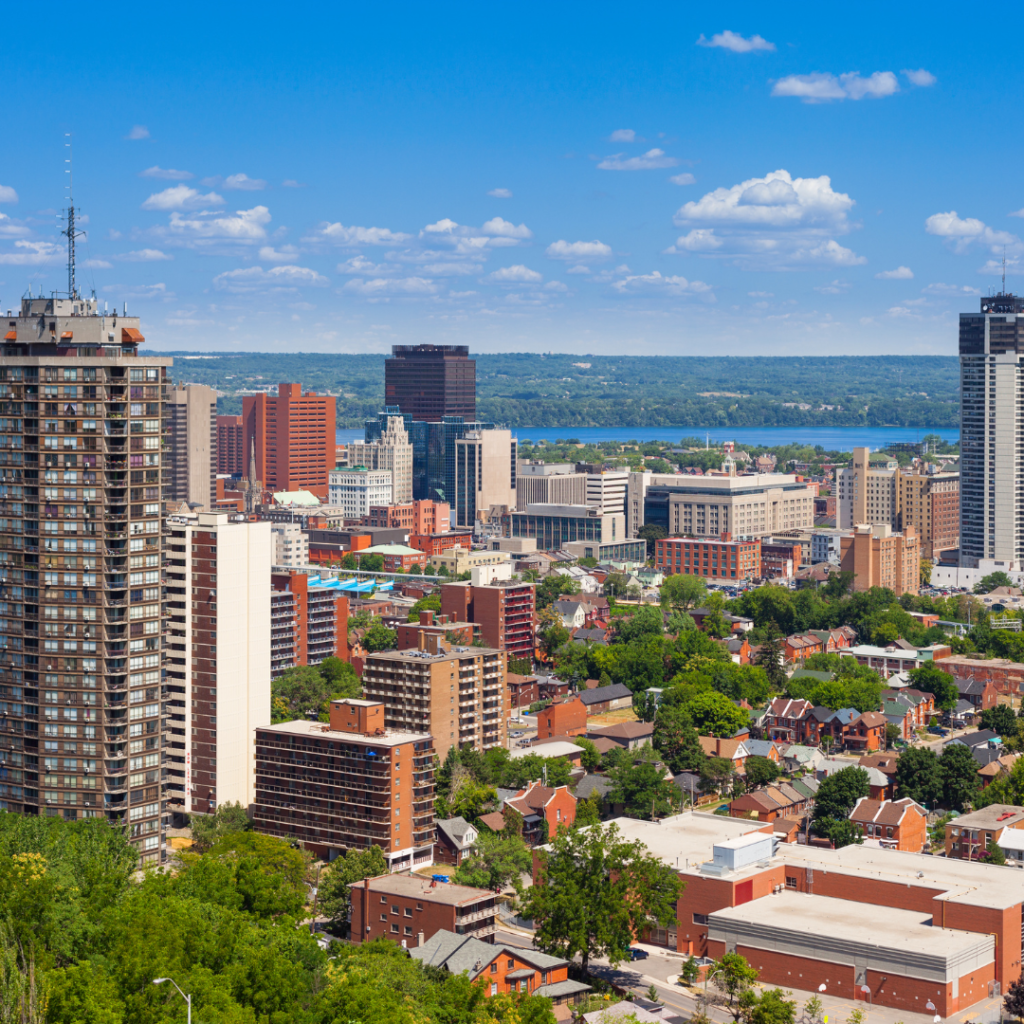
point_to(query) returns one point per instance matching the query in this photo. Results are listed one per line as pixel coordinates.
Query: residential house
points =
(739, 649)
(590, 785)
(595, 634)
(764, 748)
(544, 809)
(736, 623)
(835, 640)
(997, 769)
(963, 715)
(567, 717)
(899, 713)
(780, 800)
(879, 784)
(798, 757)
(688, 784)
(454, 839)
(892, 824)
(982, 693)
(787, 830)
(602, 699)
(732, 750)
(572, 613)
(552, 747)
(631, 735)
(782, 720)
(550, 687)
(522, 690)
(501, 968)
(886, 764)
(970, 835)
(801, 646)
(984, 745)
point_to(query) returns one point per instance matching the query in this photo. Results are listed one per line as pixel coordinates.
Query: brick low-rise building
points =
(892, 824)
(971, 835)
(563, 718)
(1007, 676)
(414, 908)
(348, 784)
(721, 559)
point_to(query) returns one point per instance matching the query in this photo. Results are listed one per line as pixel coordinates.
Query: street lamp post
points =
(188, 999)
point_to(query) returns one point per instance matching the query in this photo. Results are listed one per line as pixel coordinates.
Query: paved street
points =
(660, 965)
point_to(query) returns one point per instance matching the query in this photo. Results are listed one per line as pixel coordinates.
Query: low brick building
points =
(982, 693)
(630, 735)
(892, 824)
(972, 834)
(414, 908)
(714, 559)
(540, 806)
(408, 634)
(565, 718)
(522, 690)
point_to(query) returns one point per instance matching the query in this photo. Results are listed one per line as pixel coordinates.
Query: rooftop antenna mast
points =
(1004, 269)
(70, 231)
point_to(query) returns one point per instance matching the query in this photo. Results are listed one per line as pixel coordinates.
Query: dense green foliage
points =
(496, 861)
(525, 389)
(836, 797)
(333, 898)
(309, 689)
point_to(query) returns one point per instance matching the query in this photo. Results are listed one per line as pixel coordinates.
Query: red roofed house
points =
(537, 803)
(893, 824)
(801, 646)
(731, 749)
(782, 720)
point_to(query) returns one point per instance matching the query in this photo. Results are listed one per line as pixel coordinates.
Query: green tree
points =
(595, 892)
(770, 657)
(681, 592)
(715, 774)
(690, 971)
(341, 678)
(1000, 719)
(640, 785)
(990, 582)
(918, 776)
(645, 705)
(835, 798)
(713, 714)
(379, 638)
(892, 734)
(1013, 1001)
(838, 585)
(959, 773)
(760, 771)
(298, 692)
(733, 977)
(841, 831)
(371, 563)
(768, 1007)
(652, 534)
(207, 829)
(714, 623)
(676, 740)
(645, 621)
(995, 855)
(334, 897)
(588, 811)
(591, 755)
(496, 861)
(930, 678)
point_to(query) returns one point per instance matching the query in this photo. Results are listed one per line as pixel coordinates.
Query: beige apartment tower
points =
(218, 657)
(459, 695)
(191, 474)
(880, 558)
(485, 474)
(391, 451)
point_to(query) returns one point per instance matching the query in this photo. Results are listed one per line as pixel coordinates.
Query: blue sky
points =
(589, 178)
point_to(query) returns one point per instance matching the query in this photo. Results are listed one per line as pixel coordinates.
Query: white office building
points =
(357, 488)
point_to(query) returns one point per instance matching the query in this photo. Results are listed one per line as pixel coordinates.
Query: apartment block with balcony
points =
(505, 610)
(459, 695)
(308, 622)
(348, 784)
(81, 476)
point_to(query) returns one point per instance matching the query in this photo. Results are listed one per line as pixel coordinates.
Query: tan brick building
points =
(930, 504)
(880, 558)
(459, 695)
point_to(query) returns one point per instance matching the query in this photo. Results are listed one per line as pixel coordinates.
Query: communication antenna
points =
(70, 231)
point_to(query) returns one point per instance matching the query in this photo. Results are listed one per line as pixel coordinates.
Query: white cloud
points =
(269, 254)
(622, 135)
(451, 268)
(10, 228)
(141, 291)
(139, 131)
(497, 226)
(34, 254)
(655, 282)
(243, 183)
(738, 44)
(384, 287)
(962, 232)
(96, 264)
(951, 290)
(181, 197)
(242, 226)
(899, 274)
(683, 179)
(361, 265)
(563, 250)
(835, 288)
(167, 174)
(821, 87)
(500, 193)
(338, 234)
(556, 286)
(144, 256)
(517, 273)
(292, 183)
(774, 221)
(995, 267)
(7, 194)
(697, 240)
(920, 77)
(250, 279)
(652, 160)
(579, 269)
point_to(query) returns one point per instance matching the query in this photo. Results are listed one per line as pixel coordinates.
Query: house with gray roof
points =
(453, 840)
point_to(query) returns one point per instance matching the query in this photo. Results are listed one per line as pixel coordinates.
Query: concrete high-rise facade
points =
(429, 382)
(81, 478)
(231, 453)
(191, 472)
(218, 657)
(549, 483)
(606, 488)
(294, 437)
(356, 489)
(485, 474)
(991, 435)
(391, 451)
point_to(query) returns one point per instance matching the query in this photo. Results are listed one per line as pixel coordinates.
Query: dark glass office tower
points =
(992, 433)
(430, 382)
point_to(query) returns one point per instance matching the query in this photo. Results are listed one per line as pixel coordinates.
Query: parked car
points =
(635, 953)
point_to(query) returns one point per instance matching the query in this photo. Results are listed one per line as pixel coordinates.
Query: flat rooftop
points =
(419, 887)
(320, 730)
(993, 816)
(907, 944)
(686, 840)
(957, 881)
(413, 655)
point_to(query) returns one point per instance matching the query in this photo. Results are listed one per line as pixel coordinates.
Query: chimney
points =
(419, 939)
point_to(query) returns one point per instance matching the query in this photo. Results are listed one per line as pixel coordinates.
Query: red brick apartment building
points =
(307, 623)
(231, 455)
(1007, 676)
(432, 544)
(295, 439)
(413, 908)
(724, 559)
(424, 516)
(349, 784)
(912, 929)
(432, 624)
(566, 718)
(504, 609)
